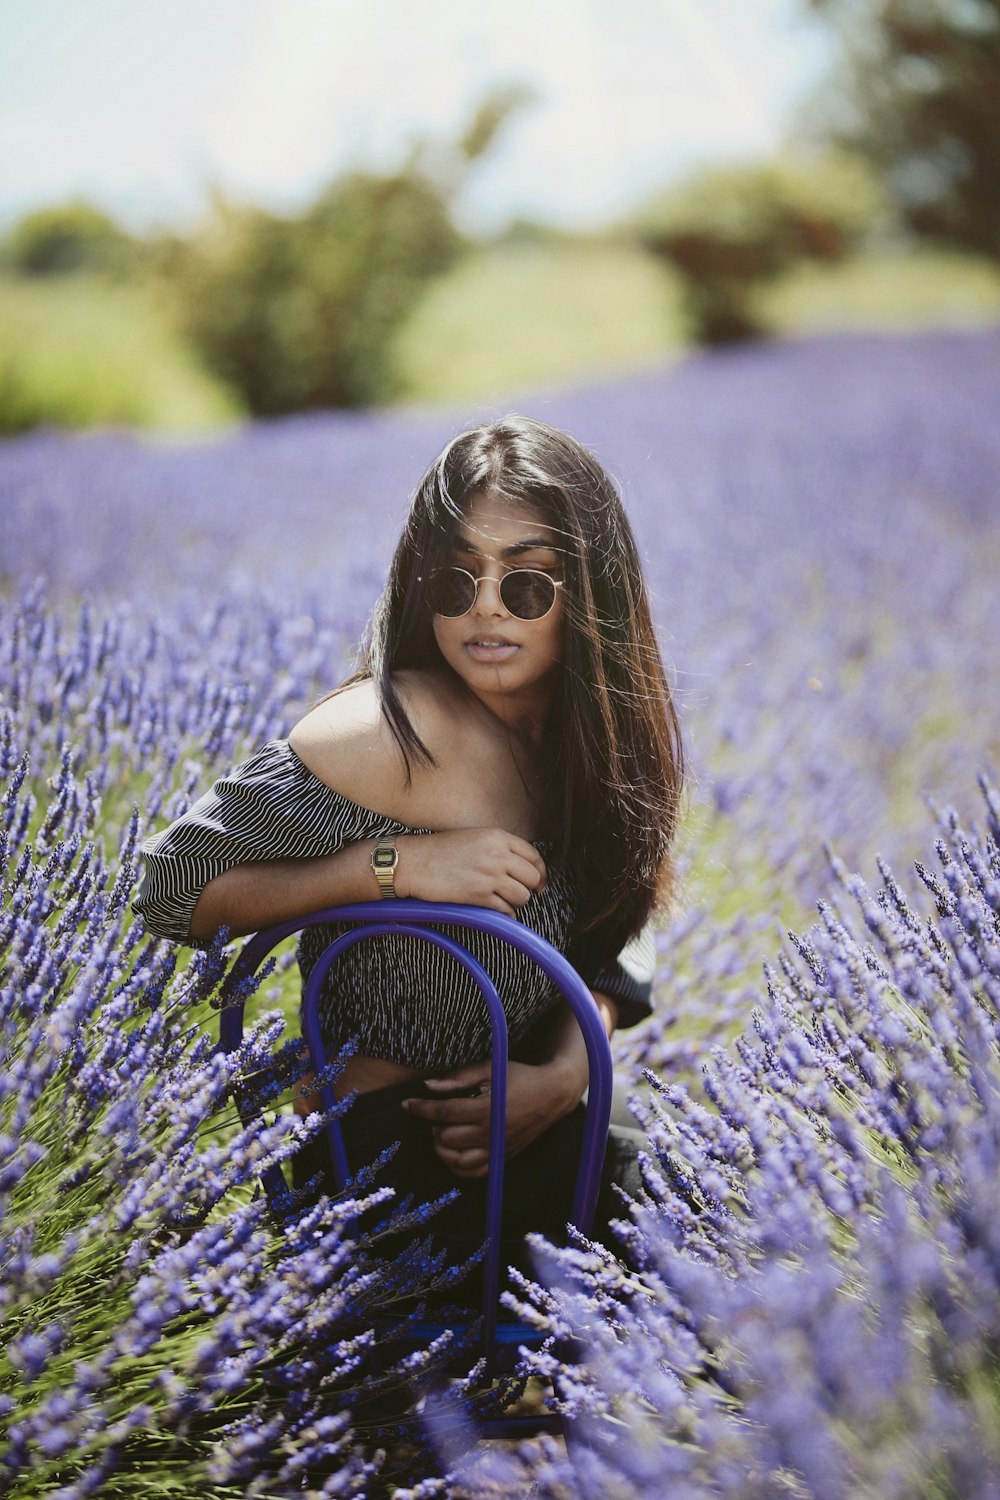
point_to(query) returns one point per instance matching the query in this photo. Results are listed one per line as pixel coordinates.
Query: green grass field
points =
(80, 351)
(513, 317)
(510, 319)
(925, 289)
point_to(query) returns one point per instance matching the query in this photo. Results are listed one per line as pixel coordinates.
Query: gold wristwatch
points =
(385, 858)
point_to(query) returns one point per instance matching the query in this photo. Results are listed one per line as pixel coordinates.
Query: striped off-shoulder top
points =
(397, 997)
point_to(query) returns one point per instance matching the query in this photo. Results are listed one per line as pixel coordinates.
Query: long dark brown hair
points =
(613, 740)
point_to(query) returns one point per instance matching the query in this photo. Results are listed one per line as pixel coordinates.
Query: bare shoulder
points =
(346, 741)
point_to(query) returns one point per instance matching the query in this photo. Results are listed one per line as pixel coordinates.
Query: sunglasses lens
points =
(451, 592)
(527, 594)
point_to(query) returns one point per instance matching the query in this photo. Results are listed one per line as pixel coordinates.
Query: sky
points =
(142, 105)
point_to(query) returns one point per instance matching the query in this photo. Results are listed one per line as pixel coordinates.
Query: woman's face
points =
(509, 663)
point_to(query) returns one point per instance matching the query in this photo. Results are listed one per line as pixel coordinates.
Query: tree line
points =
(301, 311)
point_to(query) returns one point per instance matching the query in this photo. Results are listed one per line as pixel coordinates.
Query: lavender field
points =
(812, 1307)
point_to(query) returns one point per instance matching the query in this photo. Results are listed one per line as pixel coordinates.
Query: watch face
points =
(384, 859)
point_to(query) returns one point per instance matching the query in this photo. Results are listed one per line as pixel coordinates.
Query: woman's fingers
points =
(526, 854)
(459, 1126)
(473, 1076)
(478, 866)
(519, 880)
(512, 892)
(465, 1161)
(450, 1111)
(466, 1166)
(457, 1138)
(512, 876)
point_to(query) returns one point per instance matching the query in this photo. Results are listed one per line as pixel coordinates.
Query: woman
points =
(510, 742)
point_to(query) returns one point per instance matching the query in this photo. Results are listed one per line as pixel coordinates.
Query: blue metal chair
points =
(422, 919)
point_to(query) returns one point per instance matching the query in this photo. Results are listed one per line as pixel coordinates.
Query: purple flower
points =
(806, 1294)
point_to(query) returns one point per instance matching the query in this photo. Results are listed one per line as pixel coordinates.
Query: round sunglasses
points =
(525, 593)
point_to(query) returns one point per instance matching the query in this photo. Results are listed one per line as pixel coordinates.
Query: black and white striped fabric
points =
(400, 998)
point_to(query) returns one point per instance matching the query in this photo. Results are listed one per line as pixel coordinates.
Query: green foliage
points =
(917, 91)
(26, 402)
(82, 351)
(303, 312)
(490, 117)
(299, 313)
(729, 231)
(524, 230)
(68, 238)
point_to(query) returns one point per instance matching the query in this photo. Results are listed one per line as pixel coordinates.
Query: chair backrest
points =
(423, 920)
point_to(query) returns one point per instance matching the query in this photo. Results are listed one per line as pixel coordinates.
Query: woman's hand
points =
(474, 866)
(537, 1096)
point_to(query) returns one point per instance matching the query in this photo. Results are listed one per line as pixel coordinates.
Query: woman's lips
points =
(486, 649)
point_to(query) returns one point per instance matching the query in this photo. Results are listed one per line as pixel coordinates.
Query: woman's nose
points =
(488, 601)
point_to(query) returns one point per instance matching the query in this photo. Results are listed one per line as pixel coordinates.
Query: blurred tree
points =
(302, 312)
(490, 117)
(522, 230)
(67, 238)
(729, 231)
(299, 313)
(918, 91)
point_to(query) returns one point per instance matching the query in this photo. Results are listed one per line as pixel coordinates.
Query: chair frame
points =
(421, 919)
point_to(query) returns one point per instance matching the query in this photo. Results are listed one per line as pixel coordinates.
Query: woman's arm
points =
(475, 866)
(265, 892)
(538, 1094)
(288, 832)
